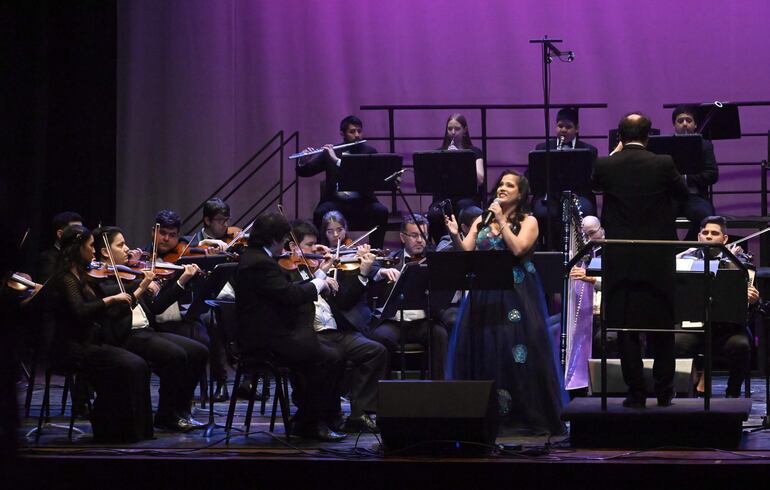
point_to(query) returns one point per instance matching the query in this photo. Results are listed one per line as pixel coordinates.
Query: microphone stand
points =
(549, 50)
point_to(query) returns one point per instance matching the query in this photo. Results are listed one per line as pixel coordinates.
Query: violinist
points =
(363, 207)
(387, 331)
(276, 315)
(170, 245)
(122, 411)
(178, 361)
(334, 228)
(731, 340)
(342, 322)
(216, 231)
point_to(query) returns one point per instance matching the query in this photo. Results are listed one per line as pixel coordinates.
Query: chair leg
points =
(250, 409)
(44, 406)
(231, 409)
(30, 388)
(265, 392)
(68, 386)
(204, 389)
(282, 393)
(278, 394)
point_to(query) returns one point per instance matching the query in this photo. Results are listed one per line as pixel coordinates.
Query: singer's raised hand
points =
(451, 224)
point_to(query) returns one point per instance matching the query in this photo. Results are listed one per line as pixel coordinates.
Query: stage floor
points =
(194, 452)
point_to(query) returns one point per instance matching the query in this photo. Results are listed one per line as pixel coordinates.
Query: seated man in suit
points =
(275, 316)
(697, 205)
(567, 128)
(732, 340)
(354, 205)
(419, 327)
(342, 322)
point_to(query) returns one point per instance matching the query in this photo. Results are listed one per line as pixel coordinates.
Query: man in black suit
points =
(342, 322)
(419, 327)
(696, 206)
(275, 316)
(638, 283)
(363, 208)
(567, 128)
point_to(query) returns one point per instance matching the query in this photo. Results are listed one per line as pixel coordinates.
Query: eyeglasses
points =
(413, 235)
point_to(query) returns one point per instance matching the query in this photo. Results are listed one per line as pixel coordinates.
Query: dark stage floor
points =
(194, 460)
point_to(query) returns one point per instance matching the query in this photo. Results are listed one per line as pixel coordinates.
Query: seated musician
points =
(177, 360)
(47, 262)
(567, 137)
(170, 245)
(356, 206)
(216, 221)
(342, 322)
(456, 137)
(731, 340)
(275, 316)
(387, 330)
(696, 206)
(123, 409)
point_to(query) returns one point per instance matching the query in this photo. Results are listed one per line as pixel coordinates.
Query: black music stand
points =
(471, 271)
(445, 173)
(367, 173)
(203, 300)
(570, 170)
(685, 149)
(718, 121)
(410, 292)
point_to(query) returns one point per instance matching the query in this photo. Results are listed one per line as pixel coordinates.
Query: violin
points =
(101, 270)
(23, 285)
(291, 261)
(183, 249)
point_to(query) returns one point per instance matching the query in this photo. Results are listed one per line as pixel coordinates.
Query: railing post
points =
(280, 172)
(484, 151)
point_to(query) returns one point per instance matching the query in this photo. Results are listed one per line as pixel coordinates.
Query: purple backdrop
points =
(202, 84)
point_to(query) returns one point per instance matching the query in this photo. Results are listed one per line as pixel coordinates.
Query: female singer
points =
(122, 411)
(456, 137)
(510, 342)
(178, 361)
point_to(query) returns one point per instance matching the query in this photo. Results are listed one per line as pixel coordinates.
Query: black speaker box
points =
(447, 417)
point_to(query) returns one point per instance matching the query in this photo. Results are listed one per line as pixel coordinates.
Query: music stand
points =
(570, 170)
(685, 149)
(410, 292)
(471, 271)
(718, 121)
(445, 173)
(366, 173)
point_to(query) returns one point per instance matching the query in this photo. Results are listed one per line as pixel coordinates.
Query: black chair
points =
(256, 364)
(44, 417)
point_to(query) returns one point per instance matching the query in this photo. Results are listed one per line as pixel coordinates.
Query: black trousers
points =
(370, 364)
(695, 208)
(178, 362)
(213, 341)
(362, 211)
(630, 348)
(122, 411)
(389, 334)
(731, 341)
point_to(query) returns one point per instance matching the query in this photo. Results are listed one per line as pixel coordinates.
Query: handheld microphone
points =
(488, 215)
(559, 142)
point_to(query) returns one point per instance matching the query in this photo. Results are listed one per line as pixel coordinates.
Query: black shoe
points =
(220, 393)
(363, 423)
(665, 400)
(635, 401)
(318, 431)
(173, 423)
(187, 417)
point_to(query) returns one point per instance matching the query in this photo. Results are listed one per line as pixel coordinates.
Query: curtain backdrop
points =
(202, 84)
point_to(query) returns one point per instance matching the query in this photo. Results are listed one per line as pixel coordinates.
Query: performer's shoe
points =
(362, 423)
(187, 417)
(173, 423)
(220, 393)
(635, 401)
(665, 400)
(318, 431)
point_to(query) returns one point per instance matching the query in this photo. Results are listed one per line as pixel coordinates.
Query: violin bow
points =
(155, 247)
(239, 235)
(112, 261)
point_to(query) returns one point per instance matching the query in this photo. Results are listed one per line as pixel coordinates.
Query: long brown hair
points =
(522, 206)
(466, 140)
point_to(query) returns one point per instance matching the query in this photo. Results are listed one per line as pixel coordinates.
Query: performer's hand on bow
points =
(753, 295)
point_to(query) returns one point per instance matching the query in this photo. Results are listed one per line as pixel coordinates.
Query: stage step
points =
(684, 424)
